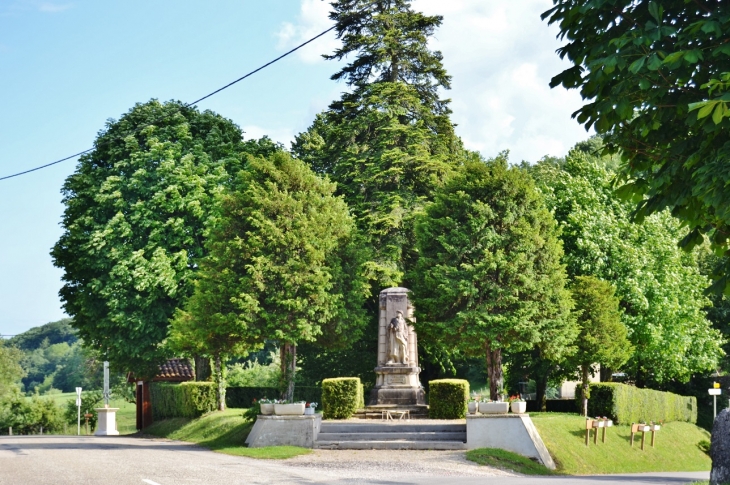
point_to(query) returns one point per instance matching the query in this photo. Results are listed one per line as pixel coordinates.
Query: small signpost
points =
(78, 406)
(714, 392)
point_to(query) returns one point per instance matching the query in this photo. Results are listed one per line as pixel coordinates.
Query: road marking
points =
(149, 482)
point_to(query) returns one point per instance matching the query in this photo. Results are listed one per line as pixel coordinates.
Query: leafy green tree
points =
(489, 277)
(389, 141)
(659, 285)
(10, 369)
(55, 332)
(655, 77)
(136, 208)
(602, 339)
(284, 263)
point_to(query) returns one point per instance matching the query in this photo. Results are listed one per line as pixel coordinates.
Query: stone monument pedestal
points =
(107, 423)
(397, 372)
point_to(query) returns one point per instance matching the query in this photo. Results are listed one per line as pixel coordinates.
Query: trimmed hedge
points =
(447, 398)
(555, 406)
(184, 400)
(628, 404)
(242, 397)
(341, 397)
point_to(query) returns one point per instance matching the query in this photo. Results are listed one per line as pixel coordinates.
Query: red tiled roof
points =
(176, 370)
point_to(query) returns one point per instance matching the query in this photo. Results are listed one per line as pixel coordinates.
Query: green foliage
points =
(184, 400)
(659, 285)
(629, 404)
(341, 397)
(285, 264)
(29, 416)
(244, 397)
(654, 77)
(506, 460)
(489, 275)
(54, 332)
(10, 369)
(447, 398)
(389, 142)
(253, 374)
(136, 209)
(89, 401)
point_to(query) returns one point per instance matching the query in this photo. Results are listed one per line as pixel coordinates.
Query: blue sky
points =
(68, 66)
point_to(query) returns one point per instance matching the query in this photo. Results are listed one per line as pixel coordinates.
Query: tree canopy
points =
(489, 276)
(136, 209)
(659, 285)
(389, 142)
(284, 263)
(655, 79)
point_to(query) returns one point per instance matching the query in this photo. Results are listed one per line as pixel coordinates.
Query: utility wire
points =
(188, 104)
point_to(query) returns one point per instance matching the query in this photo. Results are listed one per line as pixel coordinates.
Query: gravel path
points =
(373, 464)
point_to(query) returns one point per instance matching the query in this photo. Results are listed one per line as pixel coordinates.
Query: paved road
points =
(31, 460)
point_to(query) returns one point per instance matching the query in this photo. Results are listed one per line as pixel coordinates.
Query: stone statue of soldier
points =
(398, 340)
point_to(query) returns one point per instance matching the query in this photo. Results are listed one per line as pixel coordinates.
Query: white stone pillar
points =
(107, 423)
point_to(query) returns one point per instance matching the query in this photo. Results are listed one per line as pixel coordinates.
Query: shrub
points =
(184, 400)
(89, 401)
(242, 397)
(341, 397)
(29, 416)
(628, 404)
(447, 398)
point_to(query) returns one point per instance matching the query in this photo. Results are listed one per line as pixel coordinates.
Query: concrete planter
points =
(308, 411)
(518, 407)
(472, 407)
(296, 409)
(267, 409)
(493, 407)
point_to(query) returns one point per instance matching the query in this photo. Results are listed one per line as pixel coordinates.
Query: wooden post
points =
(589, 425)
(643, 436)
(603, 438)
(595, 433)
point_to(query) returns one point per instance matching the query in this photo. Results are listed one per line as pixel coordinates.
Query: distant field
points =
(675, 450)
(126, 416)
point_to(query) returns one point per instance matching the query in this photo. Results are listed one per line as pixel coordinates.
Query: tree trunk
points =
(288, 353)
(541, 382)
(202, 368)
(606, 374)
(494, 371)
(584, 376)
(221, 383)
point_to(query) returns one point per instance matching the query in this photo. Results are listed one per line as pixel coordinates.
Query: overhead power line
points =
(187, 104)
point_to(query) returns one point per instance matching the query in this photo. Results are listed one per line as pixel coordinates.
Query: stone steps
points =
(376, 411)
(391, 435)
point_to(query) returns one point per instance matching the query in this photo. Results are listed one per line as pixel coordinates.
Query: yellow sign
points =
(716, 385)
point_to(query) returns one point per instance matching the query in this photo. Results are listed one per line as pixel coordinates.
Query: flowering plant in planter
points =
(516, 398)
(312, 405)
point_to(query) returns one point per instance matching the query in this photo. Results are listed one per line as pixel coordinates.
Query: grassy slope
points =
(675, 450)
(224, 432)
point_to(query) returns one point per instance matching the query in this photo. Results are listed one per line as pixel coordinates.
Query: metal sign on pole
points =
(714, 392)
(106, 384)
(78, 406)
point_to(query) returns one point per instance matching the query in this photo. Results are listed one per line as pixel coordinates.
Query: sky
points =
(68, 66)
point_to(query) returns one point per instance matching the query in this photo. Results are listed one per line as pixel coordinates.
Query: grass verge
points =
(506, 460)
(676, 449)
(221, 431)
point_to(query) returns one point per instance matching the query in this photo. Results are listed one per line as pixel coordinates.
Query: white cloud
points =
(501, 56)
(313, 20)
(49, 7)
(281, 135)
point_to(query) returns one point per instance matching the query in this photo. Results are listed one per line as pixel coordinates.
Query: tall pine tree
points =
(388, 142)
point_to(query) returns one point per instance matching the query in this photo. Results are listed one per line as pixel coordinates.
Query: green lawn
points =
(506, 460)
(676, 447)
(224, 432)
(126, 416)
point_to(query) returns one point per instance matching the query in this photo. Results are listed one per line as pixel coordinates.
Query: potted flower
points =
(472, 405)
(517, 404)
(267, 406)
(310, 407)
(284, 408)
(493, 407)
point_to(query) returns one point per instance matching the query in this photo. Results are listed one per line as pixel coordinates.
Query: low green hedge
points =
(184, 400)
(628, 404)
(341, 397)
(447, 398)
(242, 397)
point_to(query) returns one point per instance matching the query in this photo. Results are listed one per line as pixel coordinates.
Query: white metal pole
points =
(714, 407)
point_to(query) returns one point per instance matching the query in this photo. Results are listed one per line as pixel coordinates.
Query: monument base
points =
(397, 384)
(107, 423)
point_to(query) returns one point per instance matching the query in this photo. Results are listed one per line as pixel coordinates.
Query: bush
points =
(184, 400)
(30, 416)
(341, 397)
(447, 398)
(628, 404)
(89, 401)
